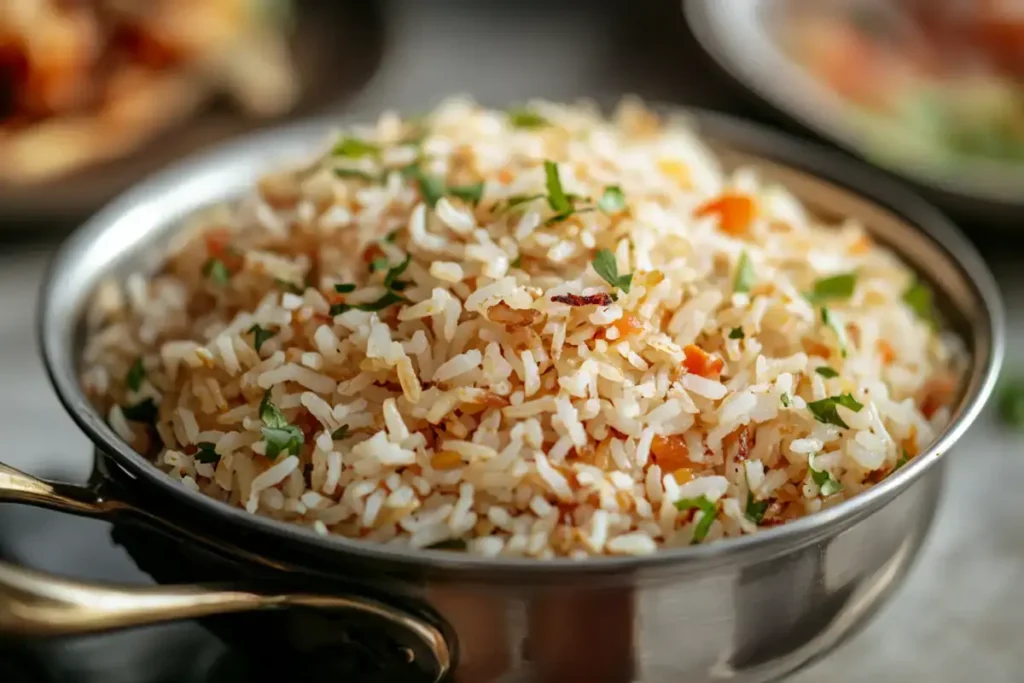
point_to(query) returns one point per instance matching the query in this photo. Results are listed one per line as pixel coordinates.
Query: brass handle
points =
(33, 604)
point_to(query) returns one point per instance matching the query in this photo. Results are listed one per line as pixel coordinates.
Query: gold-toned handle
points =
(18, 487)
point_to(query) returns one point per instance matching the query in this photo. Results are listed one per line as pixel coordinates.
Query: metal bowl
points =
(749, 609)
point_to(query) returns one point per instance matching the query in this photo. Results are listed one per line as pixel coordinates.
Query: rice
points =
(577, 338)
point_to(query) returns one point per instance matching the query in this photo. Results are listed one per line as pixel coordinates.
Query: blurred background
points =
(95, 94)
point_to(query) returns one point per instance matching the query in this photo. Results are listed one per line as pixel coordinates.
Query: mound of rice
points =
(529, 333)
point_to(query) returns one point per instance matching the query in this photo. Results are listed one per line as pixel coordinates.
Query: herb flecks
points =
(709, 510)
(207, 453)
(833, 287)
(829, 319)
(755, 508)
(471, 194)
(557, 199)
(826, 411)
(136, 374)
(605, 265)
(278, 434)
(736, 333)
(340, 433)
(526, 119)
(745, 276)
(612, 200)
(345, 288)
(260, 335)
(216, 271)
(826, 372)
(354, 148)
(920, 299)
(827, 484)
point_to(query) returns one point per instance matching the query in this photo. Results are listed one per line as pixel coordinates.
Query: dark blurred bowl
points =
(741, 38)
(337, 46)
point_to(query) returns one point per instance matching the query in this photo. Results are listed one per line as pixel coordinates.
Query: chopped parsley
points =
(259, 336)
(834, 287)
(826, 372)
(380, 304)
(736, 333)
(755, 508)
(786, 402)
(828, 319)
(279, 434)
(136, 373)
(216, 271)
(744, 278)
(353, 148)
(356, 173)
(340, 433)
(709, 509)
(557, 199)
(514, 201)
(605, 265)
(207, 453)
(613, 200)
(288, 286)
(825, 409)
(338, 309)
(904, 459)
(144, 411)
(1011, 403)
(827, 484)
(524, 118)
(345, 288)
(919, 297)
(517, 263)
(390, 237)
(379, 263)
(431, 189)
(468, 193)
(391, 278)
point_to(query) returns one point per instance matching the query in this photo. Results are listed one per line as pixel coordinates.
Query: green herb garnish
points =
(557, 199)
(345, 288)
(919, 297)
(278, 433)
(288, 286)
(468, 193)
(517, 263)
(380, 304)
(390, 237)
(736, 333)
(828, 319)
(605, 265)
(745, 277)
(379, 263)
(785, 400)
(613, 200)
(833, 287)
(144, 411)
(826, 372)
(340, 433)
(709, 509)
(431, 189)
(827, 484)
(136, 373)
(825, 409)
(216, 271)
(356, 173)
(338, 309)
(755, 509)
(514, 201)
(391, 279)
(524, 118)
(207, 453)
(353, 148)
(904, 459)
(259, 336)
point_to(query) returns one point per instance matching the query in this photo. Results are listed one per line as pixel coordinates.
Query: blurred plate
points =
(742, 37)
(337, 46)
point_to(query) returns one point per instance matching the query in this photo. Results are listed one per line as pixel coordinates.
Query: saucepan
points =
(746, 609)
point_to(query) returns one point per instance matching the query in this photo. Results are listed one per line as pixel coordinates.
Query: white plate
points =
(738, 36)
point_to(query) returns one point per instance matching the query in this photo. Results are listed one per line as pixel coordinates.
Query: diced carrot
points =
(628, 324)
(735, 212)
(372, 253)
(217, 241)
(888, 353)
(670, 452)
(936, 393)
(910, 443)
(700, 362)
(815, 348)
(676, 170)
(505, 176)
(446, 460)
(683, 475)
(861, 246)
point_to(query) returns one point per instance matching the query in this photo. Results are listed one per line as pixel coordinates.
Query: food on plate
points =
(949, 75)
(536, 333)
(86, 81)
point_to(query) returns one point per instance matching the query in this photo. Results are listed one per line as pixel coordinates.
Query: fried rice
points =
(538, 332)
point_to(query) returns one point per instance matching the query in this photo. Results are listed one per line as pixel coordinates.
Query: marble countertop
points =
(956, 619)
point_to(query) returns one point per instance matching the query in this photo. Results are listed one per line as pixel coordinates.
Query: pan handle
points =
(34, 604)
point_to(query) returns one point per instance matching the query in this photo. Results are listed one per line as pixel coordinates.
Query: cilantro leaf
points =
(340, 433)
(207, 453)
(515, 200)
(834, 287)
(919, 297)
(904, 459)
(144, 411)
(216, 271)
(279, 434)
(827, 484)
(755, 508)
(829, 320)
(825, 409)
(136, 373)
(353, 148)
(431, 189)
(356, 173)
(826, 372)
(605, 265)
(259, 336)
(288, 286)
(393, 273)
(613, 200)
(524, 118)
(379, 263)
(517, 263)
(380, 304)
(786, 402)
(345, 288)
(270, 414)
(736, 333)
(338, 309)
(557, 198)
(390, 237)
(709, 509)
(745, 277)
(468, 193)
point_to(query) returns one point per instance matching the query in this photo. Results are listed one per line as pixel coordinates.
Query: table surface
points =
(956, 619)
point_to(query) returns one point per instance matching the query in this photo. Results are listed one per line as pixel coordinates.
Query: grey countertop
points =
(958, 616)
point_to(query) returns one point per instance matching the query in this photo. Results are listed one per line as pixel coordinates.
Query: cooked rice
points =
(510, 399)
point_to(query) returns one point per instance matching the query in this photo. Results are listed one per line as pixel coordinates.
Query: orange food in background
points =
(671, 454)
(735, 212)
(628, 325)
(700, 362)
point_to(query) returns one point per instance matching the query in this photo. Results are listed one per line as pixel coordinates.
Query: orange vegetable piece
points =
(670, 453)
(446, 460)
(683, 475)
(887, 351)
(700, 362)
(735, 212)
(628, 324)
